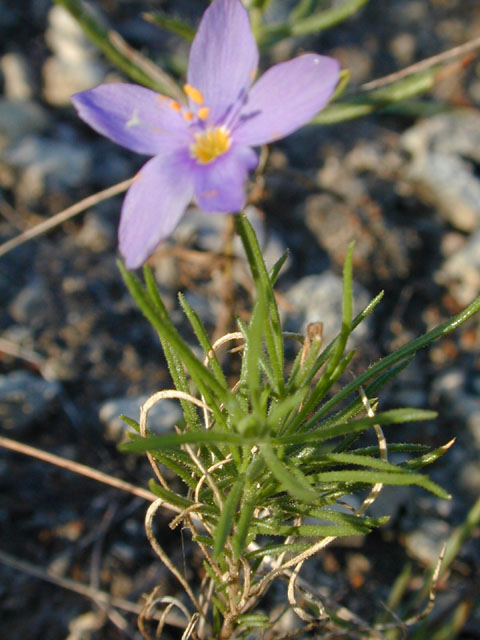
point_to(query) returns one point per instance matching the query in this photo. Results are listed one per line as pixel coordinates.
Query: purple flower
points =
(202, 149)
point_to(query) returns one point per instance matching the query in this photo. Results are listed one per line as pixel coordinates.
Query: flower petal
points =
(153, 205)
(133, 116)
(224, 56)
(286, 97)
(220, 185)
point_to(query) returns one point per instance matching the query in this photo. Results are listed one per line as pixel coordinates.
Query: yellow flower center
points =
(210, 144)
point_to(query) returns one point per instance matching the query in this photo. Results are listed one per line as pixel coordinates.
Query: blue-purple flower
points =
(203, 149)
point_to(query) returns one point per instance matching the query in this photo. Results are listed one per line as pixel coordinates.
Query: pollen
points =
(188, 116)
(210, 144)
(194, 94)
(175, 105)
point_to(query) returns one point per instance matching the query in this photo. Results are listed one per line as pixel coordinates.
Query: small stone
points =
(19, 119)
(33, 306)
(47, 164)
(425, 544)
(439, 170)
(161, 419)
(461, 271)
(16, 77)
(75, 66)
(24, 398)
(85, 626)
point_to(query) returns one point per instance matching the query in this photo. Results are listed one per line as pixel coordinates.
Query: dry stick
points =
(423, 65)
(101, 597)
(64, 215)
(81, 469)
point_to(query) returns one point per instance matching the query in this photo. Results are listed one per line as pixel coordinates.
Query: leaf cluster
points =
(269, 465)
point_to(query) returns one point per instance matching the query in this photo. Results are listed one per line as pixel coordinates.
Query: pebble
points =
(426, 544)
(17, 80)
(461, 271)
(47, 165)
(319, 298)
(439, 171)
(74, 66)
(24, 398)
(20, 118)
(162, 417)
(33, 306)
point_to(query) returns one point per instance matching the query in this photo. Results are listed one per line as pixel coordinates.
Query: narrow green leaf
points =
(291, 479)
(174, 25)
(273, 328)
(277, 267)
(312, 531)
(243, 526)
(169, 496)
(320, 434)
(277, 549)
(174, 440)
(428, 458)
(227, 515)
(401, 354)
(131, 422)
(254, 621)
(203, 340)
(372, 477)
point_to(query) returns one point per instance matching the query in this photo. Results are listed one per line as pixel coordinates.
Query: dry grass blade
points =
(81, 469)
(100, 597)
(63, 216)
(149, 516)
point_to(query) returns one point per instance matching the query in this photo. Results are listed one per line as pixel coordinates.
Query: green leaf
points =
(401, 354)
(174, 25)
(320, 434)
(291, 479)
(263, 285)
(203, 340)
(169, 496)
(372, 477)
(131, 422)
(227, 515)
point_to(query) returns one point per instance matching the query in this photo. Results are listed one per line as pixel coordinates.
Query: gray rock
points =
(24, 398)
(459, 405)
(439, 170)
(319, 298)
(18, 83)
(47, 164)
(461, 271)
(162, 417)
(20, 118)
(426, 542)
(75, 66)
(33, 305)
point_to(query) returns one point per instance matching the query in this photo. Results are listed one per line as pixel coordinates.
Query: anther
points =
(194, 94)
(203, 113)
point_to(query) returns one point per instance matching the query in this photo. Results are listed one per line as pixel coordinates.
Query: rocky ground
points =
(75, 352)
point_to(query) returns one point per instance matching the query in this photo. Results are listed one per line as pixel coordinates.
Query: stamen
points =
(188, 115)
(210, 144)
(194, 94)
(203, 113)
(176, 106)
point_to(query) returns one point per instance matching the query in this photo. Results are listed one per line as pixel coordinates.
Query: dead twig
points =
(62, 216)
(423, 65)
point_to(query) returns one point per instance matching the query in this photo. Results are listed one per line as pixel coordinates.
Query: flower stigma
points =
(210, 144)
